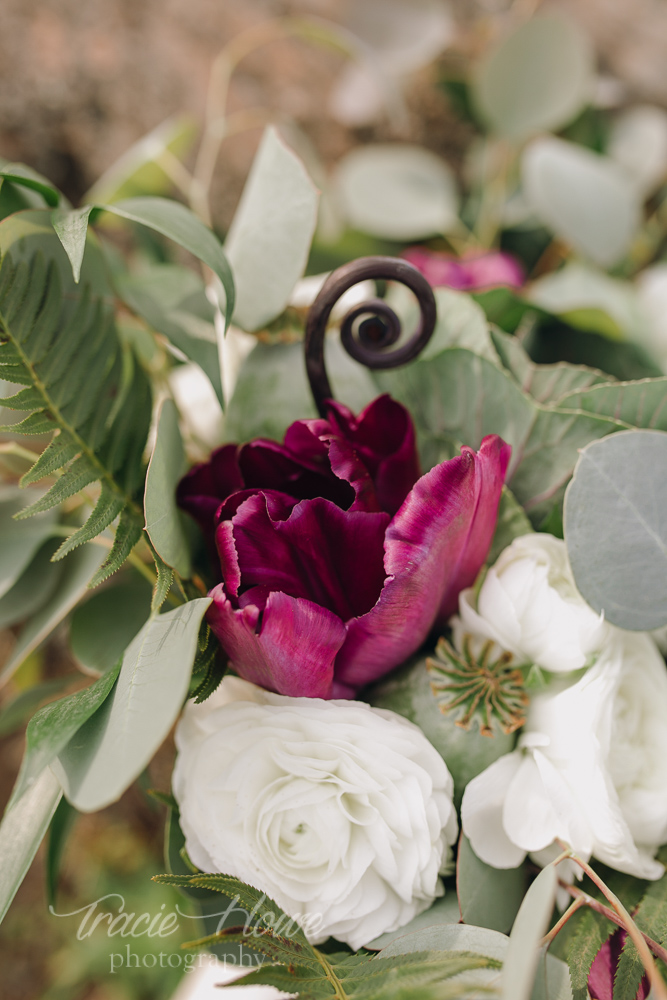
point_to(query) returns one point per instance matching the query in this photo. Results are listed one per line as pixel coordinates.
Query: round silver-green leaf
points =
(616, 528)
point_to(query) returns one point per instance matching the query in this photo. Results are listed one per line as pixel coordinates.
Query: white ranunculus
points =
(340, 812)
(529, 605)
(591, 768)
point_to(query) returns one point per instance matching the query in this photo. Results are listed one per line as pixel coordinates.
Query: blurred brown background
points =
(81, 82)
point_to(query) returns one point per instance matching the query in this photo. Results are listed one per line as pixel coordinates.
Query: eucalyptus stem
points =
(658, 987)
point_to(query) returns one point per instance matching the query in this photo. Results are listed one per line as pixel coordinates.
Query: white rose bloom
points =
(591, 769)
(340, 812)
(529, 605)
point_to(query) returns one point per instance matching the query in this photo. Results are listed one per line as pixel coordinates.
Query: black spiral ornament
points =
(367, 340)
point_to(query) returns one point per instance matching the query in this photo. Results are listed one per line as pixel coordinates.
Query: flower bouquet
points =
(405, 605)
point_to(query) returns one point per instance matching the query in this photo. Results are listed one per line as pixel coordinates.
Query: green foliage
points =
(531, 923)
(117, 742)
(102, 627)
(580, 947)
(297, 966)
(488, 897)
(82, 384)
(60, 829)
(651, 918)
(615, 528)
(165, 524)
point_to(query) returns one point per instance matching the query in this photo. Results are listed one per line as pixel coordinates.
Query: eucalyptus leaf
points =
(458, 397)
(397, 191)
(589, 299)
(641, 404)
(276, 375)
(616, 528)
(78, 570)
(164, 521)
(444, 911)
(21, 833)
(586, 199)
(537, 78)
(529, 928)
(638, 142)
(271, 232)
(488, 897)
(51, 729)
(119, 740)
(103, 626)
(20, 540)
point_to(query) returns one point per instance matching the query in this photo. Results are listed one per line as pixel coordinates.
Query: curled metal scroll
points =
(367, 339)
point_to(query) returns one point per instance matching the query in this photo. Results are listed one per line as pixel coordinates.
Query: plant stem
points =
(658, 987)
(558, 926)
(605, 911)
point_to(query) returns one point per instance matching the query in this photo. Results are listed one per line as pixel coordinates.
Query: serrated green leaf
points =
(164, 521)
(217, 668)
(81, 386)
(107, 508)
(35, 424)
(582, 947)
(127, 535)
(57, 453)
(27, 399)
(651, 918)
(76, 477)
(165, 576)
(119, 740)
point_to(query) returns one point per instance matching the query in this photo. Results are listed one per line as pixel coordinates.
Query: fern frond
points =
(83, 383)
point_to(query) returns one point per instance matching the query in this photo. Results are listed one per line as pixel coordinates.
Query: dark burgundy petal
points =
(301, 467)
(427, 561)
(288, 646)
(205, 486)
(604, 967)
(383, 436)
(319, 552)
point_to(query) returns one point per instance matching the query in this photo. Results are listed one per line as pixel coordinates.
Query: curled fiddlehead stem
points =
(371, 327)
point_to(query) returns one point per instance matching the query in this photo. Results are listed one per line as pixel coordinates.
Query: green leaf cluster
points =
(295, 965)
(82, 386)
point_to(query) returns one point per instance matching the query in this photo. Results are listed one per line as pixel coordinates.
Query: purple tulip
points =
(323, 592)
(470, 273)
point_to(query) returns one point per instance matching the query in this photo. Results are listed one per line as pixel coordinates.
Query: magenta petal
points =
(289, 647)
(383, 436)
(319, 552)
(202, 489)
(604, 968)
(434, 547)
